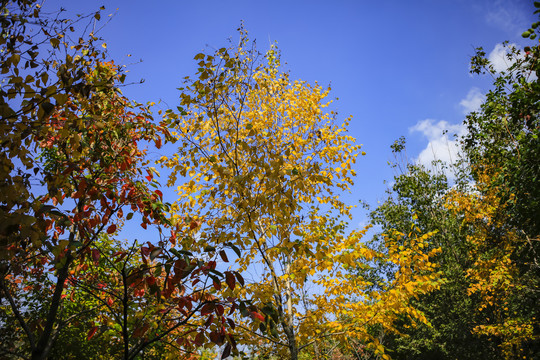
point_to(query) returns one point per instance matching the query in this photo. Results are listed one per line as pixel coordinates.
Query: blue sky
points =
(399, 67)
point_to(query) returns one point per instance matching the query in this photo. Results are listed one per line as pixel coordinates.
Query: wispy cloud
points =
(509, 15)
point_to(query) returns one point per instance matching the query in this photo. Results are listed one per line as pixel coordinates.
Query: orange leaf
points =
(257, 316)
(193, 225)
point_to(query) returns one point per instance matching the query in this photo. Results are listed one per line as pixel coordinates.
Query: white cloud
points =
(472, 102)
(500, 62)
(443, 142)
(498, 57)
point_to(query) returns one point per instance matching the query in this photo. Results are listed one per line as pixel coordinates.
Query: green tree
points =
(488, 229)
(502, 146)
(418, 197)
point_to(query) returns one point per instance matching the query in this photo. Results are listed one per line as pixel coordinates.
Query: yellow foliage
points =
(493, 275)
(266, 164)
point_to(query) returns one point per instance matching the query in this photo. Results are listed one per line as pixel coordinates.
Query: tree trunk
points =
(43, 347)
(288, 323)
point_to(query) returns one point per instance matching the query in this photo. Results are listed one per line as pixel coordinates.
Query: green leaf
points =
(76, 245)
(209, 248)
(235, 249)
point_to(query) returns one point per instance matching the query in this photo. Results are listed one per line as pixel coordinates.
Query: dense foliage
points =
(254, 258)
(73, 173)
(487, 225)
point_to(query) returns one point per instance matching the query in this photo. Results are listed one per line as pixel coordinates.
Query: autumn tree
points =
(260, 167)
(146, 300)
(73, 172)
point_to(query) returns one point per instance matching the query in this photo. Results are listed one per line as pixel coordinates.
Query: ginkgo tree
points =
(260, 168)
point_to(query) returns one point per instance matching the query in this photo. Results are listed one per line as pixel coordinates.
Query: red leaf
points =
(216, 338)
(217, 285)
(220, 310)
(110, 301)
(159, 193)
(231, 323)
(223, 255)
(111, 229)
(91, 333)
(145, 251)
(208, 321)
(207, 309)
(95, 255)
(230, 280)
(257, 316)
(82, 185)
(140, 331)
(199, 339)
(179, 266)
